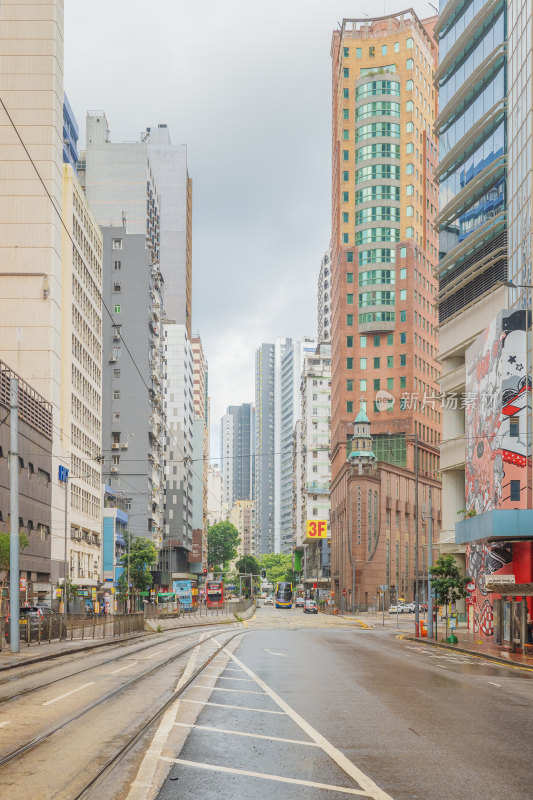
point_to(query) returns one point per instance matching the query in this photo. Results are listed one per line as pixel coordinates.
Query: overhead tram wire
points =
(58, 212)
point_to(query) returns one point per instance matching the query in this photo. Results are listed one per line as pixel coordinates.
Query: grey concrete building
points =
(238, 453)
(264, 448)
(133, 415)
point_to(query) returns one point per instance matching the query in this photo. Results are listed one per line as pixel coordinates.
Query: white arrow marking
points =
(272, 653)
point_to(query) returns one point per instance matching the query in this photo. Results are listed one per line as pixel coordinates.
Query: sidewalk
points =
(466, 644)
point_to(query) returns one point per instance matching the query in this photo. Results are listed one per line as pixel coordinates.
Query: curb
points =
(206, 624)
(475, 653)
(49, 656)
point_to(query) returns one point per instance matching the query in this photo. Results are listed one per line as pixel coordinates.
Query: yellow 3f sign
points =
(316, 529)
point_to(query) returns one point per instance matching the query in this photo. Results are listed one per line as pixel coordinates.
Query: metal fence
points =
(72, 627)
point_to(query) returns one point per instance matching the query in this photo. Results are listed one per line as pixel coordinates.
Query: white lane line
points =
(72, 691)
(6, 722)
(153, 655)
(224, 705)
(272, 653)
(227, 678)
(243, 733)
(115, 671)
(442, 666)
(371, 788)
(227, 689)
(265, 776)
(494, 684)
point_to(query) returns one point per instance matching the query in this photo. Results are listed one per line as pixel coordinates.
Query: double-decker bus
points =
(284, 594)
(214, 592)
(187, 593)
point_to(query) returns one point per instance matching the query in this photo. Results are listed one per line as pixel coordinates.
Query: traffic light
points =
(205, 570)
(263, 573)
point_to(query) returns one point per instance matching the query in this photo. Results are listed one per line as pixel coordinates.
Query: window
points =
(349, 319)
(345, 216)
(116, 394)
(345, 155)
(346, 93)
(409, 190)
(377, 384)
(403, 294)
(409, 106)
(345, 175)
(117, 309)
(390, 338)
(346, 71)
(346, 51)
(409, 85)
(409, 45)
(383, 49)
(345, 135)
(403, 338)
(117, 244)
(409, 169)
(403, 383)
(362, 384)
(409, 127)
(359, 52)
(377, 362)
(390, 362)
(514, 426)
(380, 254)
(116, 373)
(117, 264)
(349, 277)
(403, 360)
(362, 363)
(349, 406)
(410, 233)
(349, 341)
(396, 47)
(349, 258)
(116, 286)
(390, 384)
(409, 64)
(403, 271)
(409, 211)
(371, 51)
(403, 316)
(345, 238)
(349, 299)
(362, 341)
(515, 491)
(349, 363)
(409, 147)
(374, 129)
(345, 197)
(349, 385)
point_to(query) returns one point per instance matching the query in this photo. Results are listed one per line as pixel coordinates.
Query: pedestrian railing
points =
(72, 627)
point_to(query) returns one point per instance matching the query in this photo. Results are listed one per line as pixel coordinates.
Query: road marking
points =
(115, 671)
(153, 655)
(371, 788)
(225, 705)
(224, 689)
(441, 665)
(265, 776)
(72, 691)
(272, 653)
(244, 680)
(6, 722)
(494, 684)
(242, 733)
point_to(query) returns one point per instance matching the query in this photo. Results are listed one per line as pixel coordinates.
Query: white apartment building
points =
(81, 381)
(242, 516)
(324, 298)
(214, 495)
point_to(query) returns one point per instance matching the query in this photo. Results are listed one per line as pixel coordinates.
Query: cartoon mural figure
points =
(496, 448)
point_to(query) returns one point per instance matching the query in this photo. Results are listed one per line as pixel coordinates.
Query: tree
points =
(448, 582)
(5, 554)
(222, 541)
(277, 566)
(249, 566)
(142, 554)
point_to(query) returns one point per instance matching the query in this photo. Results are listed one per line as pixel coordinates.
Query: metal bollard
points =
(39, 631)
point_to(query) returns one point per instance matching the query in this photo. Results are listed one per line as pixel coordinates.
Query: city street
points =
(304, 705)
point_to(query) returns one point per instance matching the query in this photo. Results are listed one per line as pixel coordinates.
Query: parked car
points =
(299, 602)
(398, 609)
(30, 618)
(310, 607)
(269, 601)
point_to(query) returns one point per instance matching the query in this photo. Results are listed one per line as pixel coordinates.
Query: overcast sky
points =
(247, 86)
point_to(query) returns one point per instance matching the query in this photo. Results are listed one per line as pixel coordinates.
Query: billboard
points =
(316, 529)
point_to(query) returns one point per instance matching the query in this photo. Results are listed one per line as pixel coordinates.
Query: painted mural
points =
(496, 402)
(496, 449)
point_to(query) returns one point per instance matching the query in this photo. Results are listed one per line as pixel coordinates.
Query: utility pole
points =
(14, 542)
(430, 564)
(66, 574)
(417, 604)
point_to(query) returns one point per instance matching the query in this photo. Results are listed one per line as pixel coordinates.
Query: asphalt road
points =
(309, 707)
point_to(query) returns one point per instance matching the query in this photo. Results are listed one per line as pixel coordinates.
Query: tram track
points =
(33, 743)
(132, 654)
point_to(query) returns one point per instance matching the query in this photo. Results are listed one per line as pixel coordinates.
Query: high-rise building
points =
(311, 477)
(81, 380)
(242, 516)
(264, 448)
(324, 299)
(383, 255)
(32, 312)
(472, 86)
(214, 495)
(200, 453)
(237, 429)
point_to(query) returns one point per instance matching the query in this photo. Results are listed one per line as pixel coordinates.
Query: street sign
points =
(344, 592)
(470, 586)
(23, 584)
(316, 529)
(93, 592)
(384, 587)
